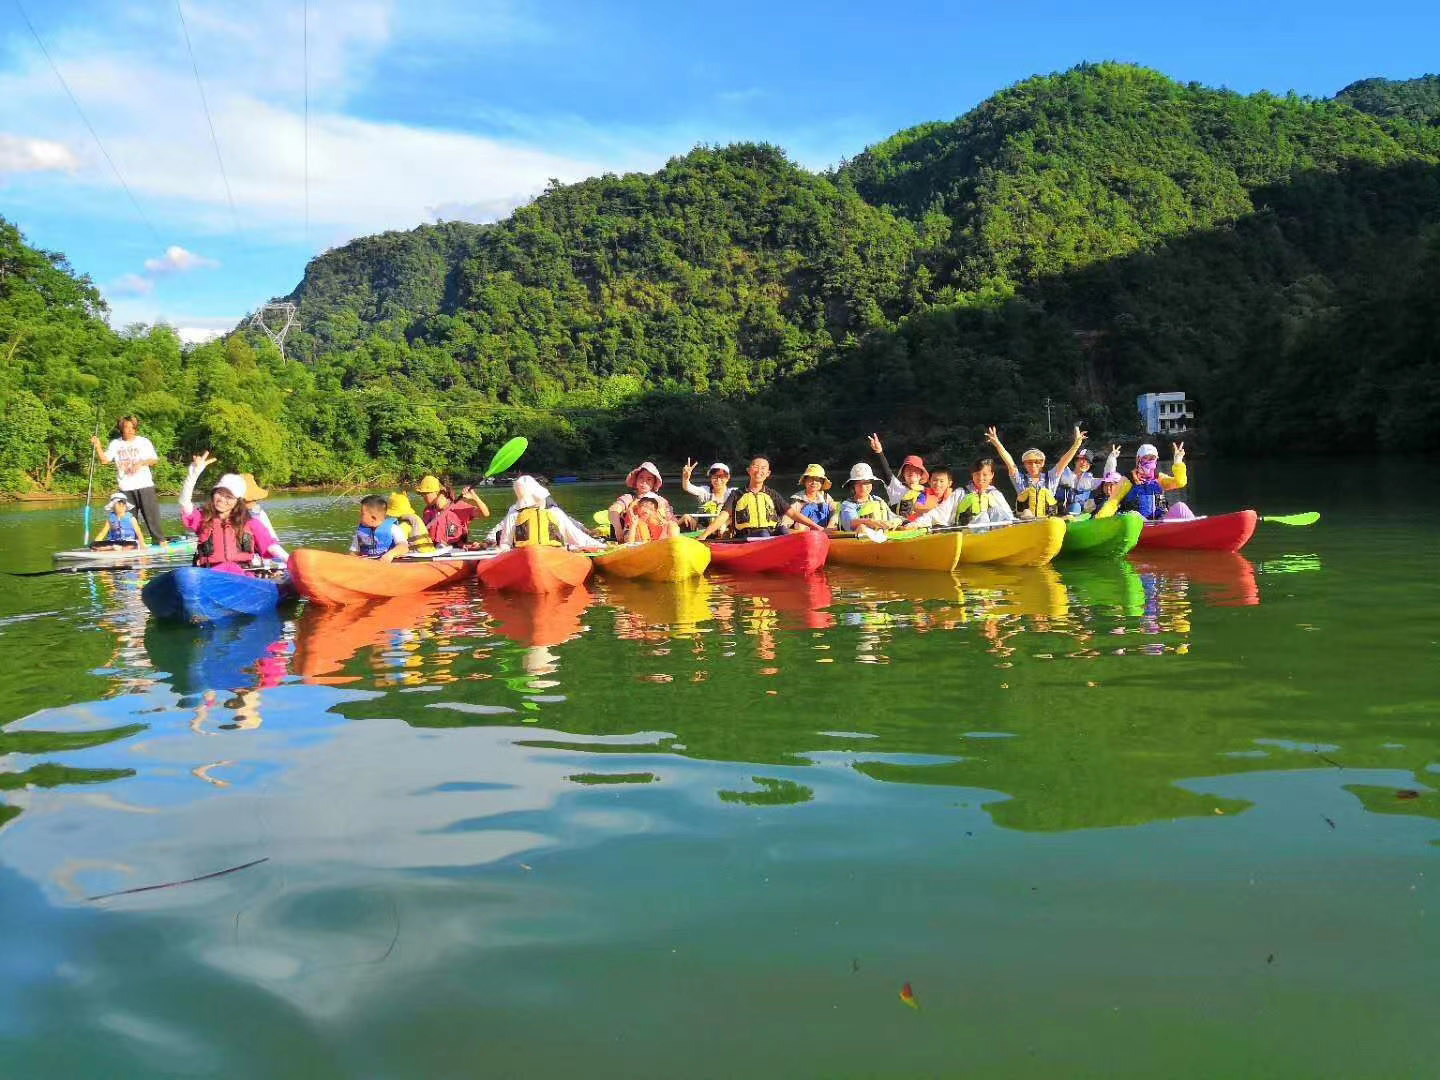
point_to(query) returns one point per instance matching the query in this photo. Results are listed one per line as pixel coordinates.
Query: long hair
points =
(239, 513)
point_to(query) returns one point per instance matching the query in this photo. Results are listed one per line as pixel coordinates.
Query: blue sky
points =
(441, 108)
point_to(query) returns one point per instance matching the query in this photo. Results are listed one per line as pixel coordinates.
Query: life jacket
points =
(655, 530)
(754, 514)
(218, 542)
(822, 512)
(1147, 499)
(873, 509)
(533, 528)
(366, 542)
(915, 502)
(971, 505)
(121, 530)
(418, 539)
(446, 527)
(1037, 499)
(1072, 498)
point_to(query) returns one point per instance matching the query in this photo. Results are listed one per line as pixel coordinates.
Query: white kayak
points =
(181, 547)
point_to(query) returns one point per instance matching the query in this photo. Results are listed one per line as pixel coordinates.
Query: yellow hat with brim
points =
(428, 485)
(399, 505)
(818, 473)
(253, 491)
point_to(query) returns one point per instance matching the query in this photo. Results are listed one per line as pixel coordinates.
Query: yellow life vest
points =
(874, 509)
(419, 541)
(1039, 500)
(532, 528)
(754, 510)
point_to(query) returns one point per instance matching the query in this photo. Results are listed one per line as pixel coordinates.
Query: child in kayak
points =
(120, 529)
(535, 520)
(941, 497)
(1144, 490)
(447, 518)
(1079, 484)
(378, 536)
(812, 500)
(711, 498)
(1035, 487)
(643, 480)
(864, 509)
(227, 538)
(982, 503)
(416, 534)
(254, 496)
(646, 522)
(756, 511)
(906, 492)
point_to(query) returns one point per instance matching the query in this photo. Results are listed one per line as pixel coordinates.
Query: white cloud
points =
(20, 154)
(131, 285)
(177, 260)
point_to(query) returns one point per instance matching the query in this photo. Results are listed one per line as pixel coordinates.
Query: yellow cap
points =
(428, 485)
(399, 505)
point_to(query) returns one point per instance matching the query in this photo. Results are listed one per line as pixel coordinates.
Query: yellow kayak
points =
(1025, 543)
(656, 560)
(926, 551)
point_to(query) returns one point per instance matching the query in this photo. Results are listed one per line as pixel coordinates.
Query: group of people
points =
(916, 498)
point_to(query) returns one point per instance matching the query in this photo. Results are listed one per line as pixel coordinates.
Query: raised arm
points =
(467, 495)
(993, 438)
(879, 452)
(1180, 476)
(1069, 454)
(105, 458)
(1112, 459)
(198, 464)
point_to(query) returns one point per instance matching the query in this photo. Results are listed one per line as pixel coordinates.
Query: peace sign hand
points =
(992, 436)
(1179, 450)
(201, 461)
(875, 447)
(687, 470)
(1115, 449)
(1079, 435)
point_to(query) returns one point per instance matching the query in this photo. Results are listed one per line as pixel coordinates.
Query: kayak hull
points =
(1025, 543)
(1222, 532)
(933, 551)
(1101, 538)
(120, 556)
(672, 559)
(333, 578)
(801, 552)
(196, 595)
(535, 570)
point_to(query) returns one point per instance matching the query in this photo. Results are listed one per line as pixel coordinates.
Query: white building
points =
(1165, 413)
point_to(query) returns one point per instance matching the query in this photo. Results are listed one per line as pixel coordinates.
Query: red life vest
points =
(446, 527)
(218, 542)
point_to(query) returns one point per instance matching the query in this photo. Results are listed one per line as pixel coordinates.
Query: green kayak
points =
(1101, 538)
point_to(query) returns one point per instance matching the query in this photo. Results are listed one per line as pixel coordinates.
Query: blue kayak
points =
(195, 595)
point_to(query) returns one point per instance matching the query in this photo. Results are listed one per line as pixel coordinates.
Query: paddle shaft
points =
(90, 484)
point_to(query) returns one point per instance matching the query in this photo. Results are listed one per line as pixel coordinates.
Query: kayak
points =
(1223, 532)
(1025, 543)
(800, 552)
(184, 545)
(332, 577)
(535, 570)
(915, 551)
(1102, 538)
(672, 559)
(196, 595)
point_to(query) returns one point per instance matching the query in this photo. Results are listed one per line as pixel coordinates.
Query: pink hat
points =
(1111, 477)
(918, 462)
(644, 466)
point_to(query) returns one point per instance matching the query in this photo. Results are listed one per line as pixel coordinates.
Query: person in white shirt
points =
(132, 455)
(711, 498)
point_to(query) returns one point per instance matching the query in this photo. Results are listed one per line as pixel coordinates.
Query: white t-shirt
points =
(124, 453)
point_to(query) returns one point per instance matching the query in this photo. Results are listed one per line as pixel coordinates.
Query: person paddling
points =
(120, 529)
(864, 509)
(812, 500)
(446, 517)
(133, 454)
(756, 511)
(1144, 491)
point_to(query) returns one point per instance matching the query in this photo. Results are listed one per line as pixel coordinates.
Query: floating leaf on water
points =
(1407, 793)
(660, 677)
(908, 996)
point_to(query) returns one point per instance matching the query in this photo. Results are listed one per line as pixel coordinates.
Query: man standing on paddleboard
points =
(133, 454)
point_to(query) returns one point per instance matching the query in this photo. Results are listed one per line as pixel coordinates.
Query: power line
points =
(214, 141)
(89, 126)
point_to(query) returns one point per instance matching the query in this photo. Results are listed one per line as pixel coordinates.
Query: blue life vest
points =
(1073, 499)
(375, 540)
(822, 513)
(1147, 499)
(122, 530)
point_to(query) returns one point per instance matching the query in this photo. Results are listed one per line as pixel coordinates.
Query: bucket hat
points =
(818, 473)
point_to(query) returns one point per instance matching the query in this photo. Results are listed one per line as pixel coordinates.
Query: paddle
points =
(1309, 517)
(507, 455)
(90, 485)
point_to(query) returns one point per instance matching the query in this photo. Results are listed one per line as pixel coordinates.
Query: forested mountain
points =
(1080, 237)
(1407, 99)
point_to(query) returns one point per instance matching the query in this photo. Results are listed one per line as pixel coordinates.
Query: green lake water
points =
(1149, 818)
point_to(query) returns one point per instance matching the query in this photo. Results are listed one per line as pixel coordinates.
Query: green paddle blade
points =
(507, 455)
(601, 517)
(1307, 518)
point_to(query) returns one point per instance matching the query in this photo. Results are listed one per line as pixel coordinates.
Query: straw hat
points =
(644, 466)
(861, 471)
(818, 473)
(1034, 453)
(253, 491)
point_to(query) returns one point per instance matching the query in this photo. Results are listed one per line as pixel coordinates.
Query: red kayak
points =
(800, 552)
(535, 570)
(1223, 532)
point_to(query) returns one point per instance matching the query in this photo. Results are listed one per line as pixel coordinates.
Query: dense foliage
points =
(1080, 237)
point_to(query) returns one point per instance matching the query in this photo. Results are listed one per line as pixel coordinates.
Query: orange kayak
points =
(330, 577)
(535, 570)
